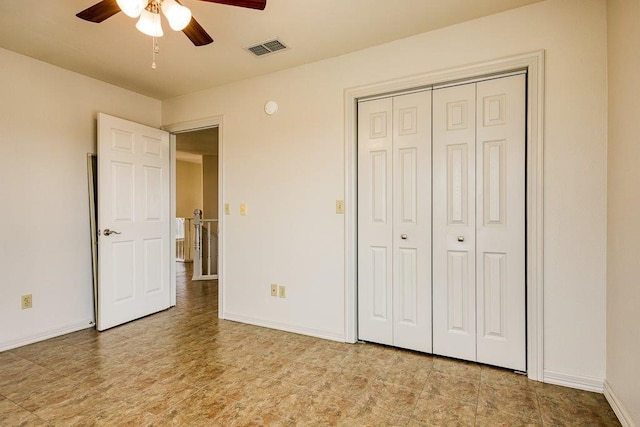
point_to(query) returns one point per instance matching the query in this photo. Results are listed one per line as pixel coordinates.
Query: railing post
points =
(188, 239)
(197, 244)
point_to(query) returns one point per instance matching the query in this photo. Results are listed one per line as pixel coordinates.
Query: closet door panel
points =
(454, 206)
(375, 221)
(412, 221)
(500, 223)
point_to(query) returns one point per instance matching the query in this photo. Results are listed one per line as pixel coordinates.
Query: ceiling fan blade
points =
(251, 4)
(197, 34)
(99, 11)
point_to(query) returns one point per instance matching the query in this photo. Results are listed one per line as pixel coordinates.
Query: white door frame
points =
(533, 62)
(189, 126)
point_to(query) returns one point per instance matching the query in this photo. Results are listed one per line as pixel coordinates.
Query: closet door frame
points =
(533, 63)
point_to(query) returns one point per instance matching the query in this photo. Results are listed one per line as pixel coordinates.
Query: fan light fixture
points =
(149, 23)
(149, 13)
(132, 8)
(177, 15)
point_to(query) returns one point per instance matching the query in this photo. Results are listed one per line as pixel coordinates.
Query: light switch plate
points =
(243, 209)
(339, 206)
(227, 209)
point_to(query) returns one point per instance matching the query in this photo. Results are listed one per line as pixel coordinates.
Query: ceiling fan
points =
(148, 11)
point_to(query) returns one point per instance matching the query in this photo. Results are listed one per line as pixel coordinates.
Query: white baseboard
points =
(617, 406)
(51, 333)
(284, 327)
(574, 381)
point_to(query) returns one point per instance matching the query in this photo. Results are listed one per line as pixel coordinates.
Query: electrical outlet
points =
(339, 206)
(243, 209)
(274, 290)
(282, 291)
(27, 301)
(227, 209)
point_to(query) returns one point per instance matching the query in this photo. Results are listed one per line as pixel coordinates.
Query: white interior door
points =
(412, 221)
(478, 222)
(454, 246)
(394, 246)
(133, 221)
(375, 222)
(500, 222)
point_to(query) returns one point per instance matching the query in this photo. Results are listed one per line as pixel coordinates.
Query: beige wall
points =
(210, 186)
(47, 127)
(623, 272)
(289, 168)
(188, 188)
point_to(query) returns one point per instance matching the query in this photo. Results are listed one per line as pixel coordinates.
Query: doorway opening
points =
(210, 132)
(196, 202)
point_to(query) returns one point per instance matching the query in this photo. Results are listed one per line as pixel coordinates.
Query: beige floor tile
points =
(391, 397)
(45, 393)
(162, 395)
(516, 401)
(406, 375)
(457, 368)
(505, 377)
(186, 367)
(454, 387)
(436, 410)
(123, 416)
(14, 415)
(199, 409)
(372, 416)
(23, 375)
(79, 405)
(242, 413)
(570, 410)
(490, 417)
(305, 375)
(324, 409)
(286, 399)
(348, 386)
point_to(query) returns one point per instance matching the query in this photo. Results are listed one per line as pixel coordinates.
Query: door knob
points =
(108, 232)
(460, 238)
(403, 236)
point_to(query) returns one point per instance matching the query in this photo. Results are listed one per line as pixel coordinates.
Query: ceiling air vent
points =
(267, 47)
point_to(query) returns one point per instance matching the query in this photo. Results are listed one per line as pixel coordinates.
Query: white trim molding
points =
(533, 63)
(287, 327)
(190, 126)
(621, 412)
(52, 333)
(574, 381)
(172, 200)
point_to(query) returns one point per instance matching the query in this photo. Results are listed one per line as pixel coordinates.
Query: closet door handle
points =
(403, 236)
(460, 238)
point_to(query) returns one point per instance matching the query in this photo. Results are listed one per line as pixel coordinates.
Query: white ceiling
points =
(115, 52)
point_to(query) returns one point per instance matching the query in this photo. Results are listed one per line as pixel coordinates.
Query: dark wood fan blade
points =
(99, 11)
(251, 4)
(197, 34)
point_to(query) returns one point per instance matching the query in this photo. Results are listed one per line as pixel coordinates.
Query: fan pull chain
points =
(156, 49)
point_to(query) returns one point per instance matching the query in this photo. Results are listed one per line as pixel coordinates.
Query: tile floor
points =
(185, 367)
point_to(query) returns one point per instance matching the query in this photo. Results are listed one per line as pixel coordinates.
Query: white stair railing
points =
(184, 239)
(205, 253)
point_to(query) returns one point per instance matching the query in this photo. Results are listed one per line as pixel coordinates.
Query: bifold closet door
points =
(479, 222)
(500, 222)
(394, 221)
(454, 207)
